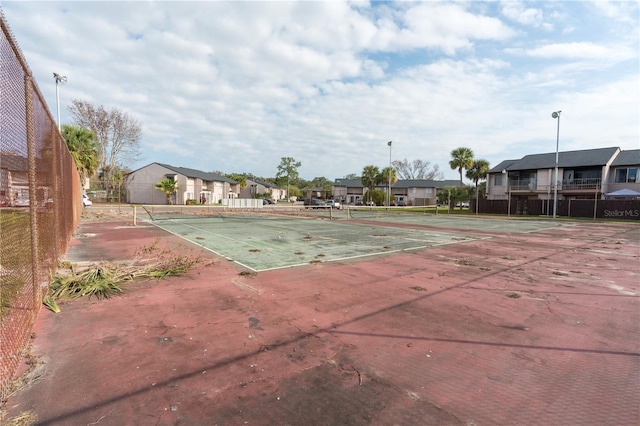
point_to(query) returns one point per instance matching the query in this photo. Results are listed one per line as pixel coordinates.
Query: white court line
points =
(380, 253)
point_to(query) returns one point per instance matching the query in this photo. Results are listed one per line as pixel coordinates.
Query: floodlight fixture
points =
(60, 79)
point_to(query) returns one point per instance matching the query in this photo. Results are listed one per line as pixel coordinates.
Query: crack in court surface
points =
(262, 245)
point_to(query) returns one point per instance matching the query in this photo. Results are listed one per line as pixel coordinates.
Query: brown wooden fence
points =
(598, 209)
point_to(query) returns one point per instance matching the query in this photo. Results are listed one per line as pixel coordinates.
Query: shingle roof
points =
(425, 183)
(627, 158)
(582, 158)
(265, 184)
(198, 174)
(504, 165)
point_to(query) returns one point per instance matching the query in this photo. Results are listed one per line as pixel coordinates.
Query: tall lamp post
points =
(556, 114)
(60, 79)
(389, 195)
(506, 175)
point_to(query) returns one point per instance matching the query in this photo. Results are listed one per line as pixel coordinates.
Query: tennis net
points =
(221, 213)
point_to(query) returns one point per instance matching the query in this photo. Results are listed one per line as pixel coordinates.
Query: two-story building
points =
(584, 174)
(258, 189)
(203, 187)
(410, 192)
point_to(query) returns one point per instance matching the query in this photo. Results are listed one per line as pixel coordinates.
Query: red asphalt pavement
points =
(526, 329)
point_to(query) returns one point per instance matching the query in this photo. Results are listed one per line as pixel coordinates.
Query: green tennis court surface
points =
(263, 242)
(451, 221)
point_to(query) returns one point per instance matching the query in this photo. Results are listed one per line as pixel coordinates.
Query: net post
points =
(135, 215)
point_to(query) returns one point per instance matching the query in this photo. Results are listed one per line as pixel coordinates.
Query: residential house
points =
(14, 180)
(584, 174)
(411, 192)
(258, 189)
(203, 187)
(625, 172)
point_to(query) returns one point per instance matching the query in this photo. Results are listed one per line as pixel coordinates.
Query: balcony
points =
(531, 185)
(581, 184)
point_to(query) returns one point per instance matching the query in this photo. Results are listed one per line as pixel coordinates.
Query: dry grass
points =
(26, 418)
(34, 372)
(106, 279)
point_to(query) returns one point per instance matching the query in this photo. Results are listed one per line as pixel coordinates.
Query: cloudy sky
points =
(234, 86)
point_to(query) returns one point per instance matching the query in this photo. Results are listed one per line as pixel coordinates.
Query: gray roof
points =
(425, 183)
(262, 183)
(582, 158)
(408, 183)
(348, 182)
(198, 174)
(504, 165)
(627, 158)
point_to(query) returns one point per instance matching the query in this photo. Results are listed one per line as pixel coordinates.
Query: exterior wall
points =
(497, 192)
(278, 193)
(249, 191)
(141, 185)
(416, 196)
(613, 186)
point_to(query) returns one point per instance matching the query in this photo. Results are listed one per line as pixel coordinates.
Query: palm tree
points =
(478, 171)
(168, 186)
(461, 158)
(370, 178)
(83, 147)
(388, 176)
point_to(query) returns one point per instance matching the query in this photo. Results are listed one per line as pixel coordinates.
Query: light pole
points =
(389, 196)
(60, 79)
(556, 114)
(506, 174)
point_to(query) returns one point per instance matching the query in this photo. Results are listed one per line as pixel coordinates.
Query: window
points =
(497, 180)
(626, 175)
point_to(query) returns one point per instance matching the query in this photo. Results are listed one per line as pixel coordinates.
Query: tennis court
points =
(276, 239)
(536, 328)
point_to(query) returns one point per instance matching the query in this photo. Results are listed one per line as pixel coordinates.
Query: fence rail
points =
(40, 203)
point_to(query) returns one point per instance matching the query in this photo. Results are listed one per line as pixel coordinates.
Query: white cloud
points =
(623, 11)
(235, 86)
(516, 11)
(582, 50)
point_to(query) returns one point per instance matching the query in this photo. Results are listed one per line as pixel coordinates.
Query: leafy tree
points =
(321, 183)
(288, 168)
(238, 177)
(168, 186)
(370, 177)
(352, 176)
(111, 179)
(378, 196)
(117, 133)
(461, 158)
(453, 195)
(482, 189)
(417, 169)
(83, 148)
(294, 191)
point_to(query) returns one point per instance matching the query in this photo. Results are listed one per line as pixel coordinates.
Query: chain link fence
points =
(40, 203)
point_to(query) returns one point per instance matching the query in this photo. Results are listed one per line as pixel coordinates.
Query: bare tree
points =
(118, 134)
(417, 169)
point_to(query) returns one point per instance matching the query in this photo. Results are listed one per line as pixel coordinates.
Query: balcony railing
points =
(574, 184)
